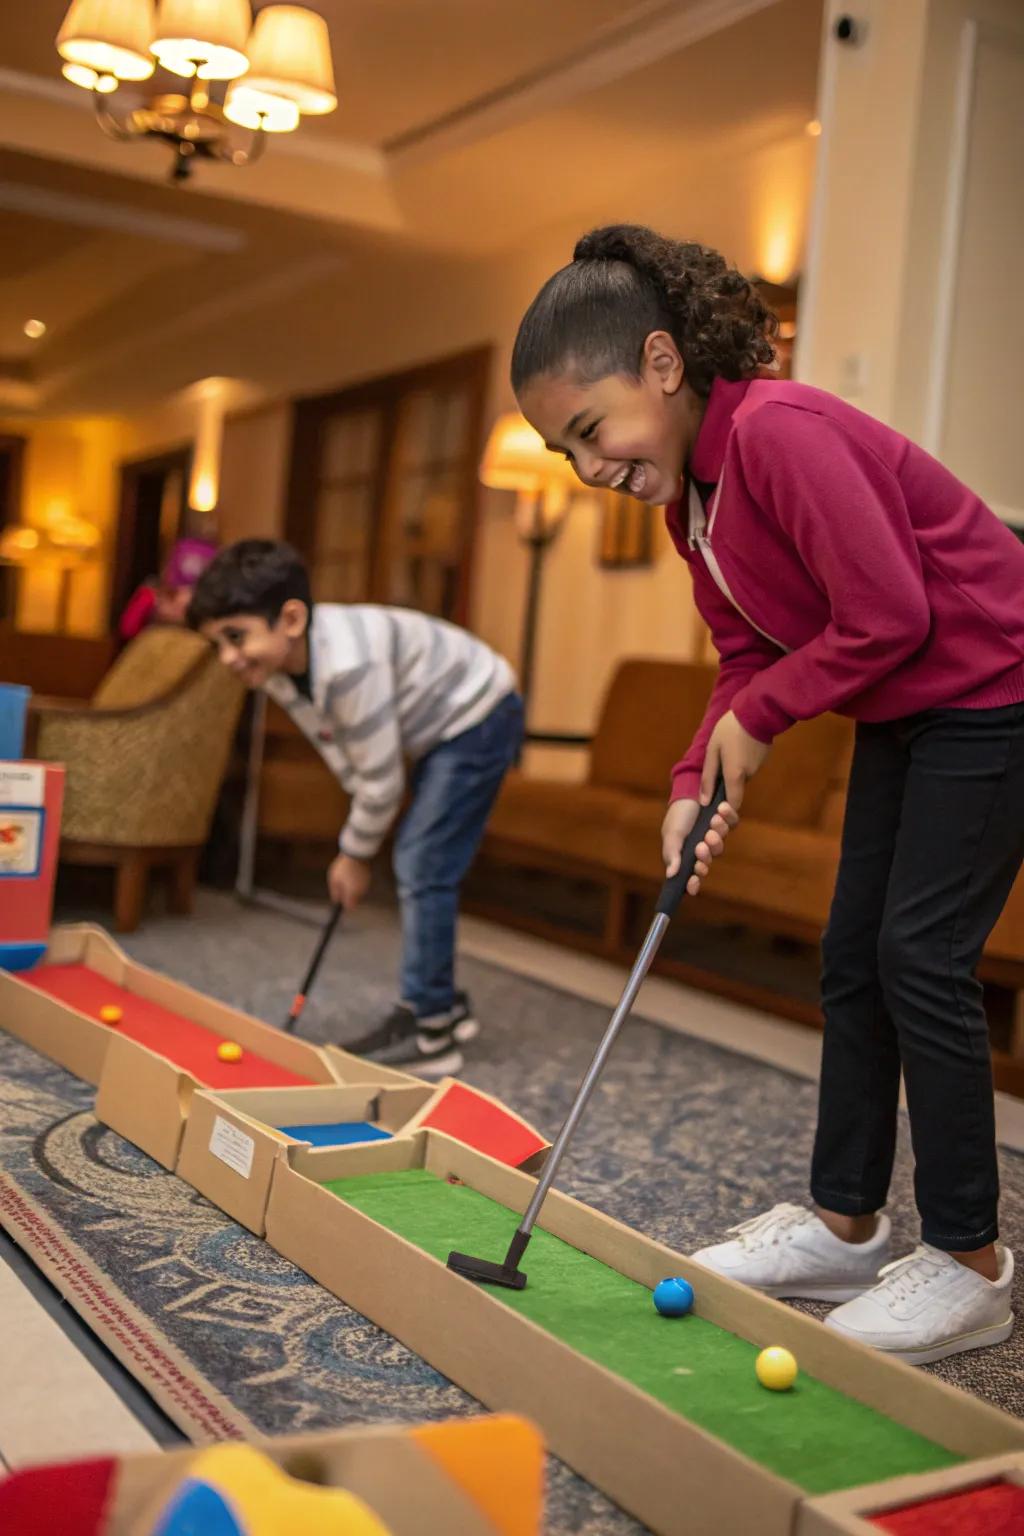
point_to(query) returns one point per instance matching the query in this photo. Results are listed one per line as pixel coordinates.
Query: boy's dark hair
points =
(254, 576)
(624, 282)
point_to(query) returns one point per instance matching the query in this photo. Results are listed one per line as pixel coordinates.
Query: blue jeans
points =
(454, 787)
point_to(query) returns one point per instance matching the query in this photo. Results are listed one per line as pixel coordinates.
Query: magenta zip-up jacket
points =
(839, 567)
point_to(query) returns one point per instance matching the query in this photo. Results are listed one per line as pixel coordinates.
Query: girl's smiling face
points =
(621, 433)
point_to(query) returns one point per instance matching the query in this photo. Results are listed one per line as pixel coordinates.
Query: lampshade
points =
(111, 37)
(290, 56)
(209, 33)
(66, 539)
(516, 459)
(89, 78)
(250, 108)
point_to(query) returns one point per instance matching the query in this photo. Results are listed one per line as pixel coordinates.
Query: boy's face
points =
(620, 433)
(254, 649)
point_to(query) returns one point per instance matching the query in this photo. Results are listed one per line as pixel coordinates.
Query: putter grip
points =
(673, 891)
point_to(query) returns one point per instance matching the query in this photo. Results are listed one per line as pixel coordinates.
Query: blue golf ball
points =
(673, 1298)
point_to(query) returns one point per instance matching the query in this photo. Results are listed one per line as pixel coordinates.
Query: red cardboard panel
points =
(181, 1040)
(994, 1510)
(79, 1490)
(480, 1122)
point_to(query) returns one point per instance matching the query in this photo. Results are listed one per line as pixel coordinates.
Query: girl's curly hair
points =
(624, 282)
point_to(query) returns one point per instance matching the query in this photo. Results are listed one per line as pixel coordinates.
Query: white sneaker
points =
(789, 1251)
(928, 1306)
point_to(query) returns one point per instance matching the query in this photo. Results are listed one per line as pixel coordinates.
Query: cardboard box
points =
(850, 1513)
(142, 1095)
(671, 1474)
(420, 1481)
(79, 1043)
(231, 1142)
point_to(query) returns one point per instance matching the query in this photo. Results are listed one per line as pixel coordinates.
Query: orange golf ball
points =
(229, 1051)
(110, 1013)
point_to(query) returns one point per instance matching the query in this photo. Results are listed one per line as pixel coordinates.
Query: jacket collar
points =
(708, 451)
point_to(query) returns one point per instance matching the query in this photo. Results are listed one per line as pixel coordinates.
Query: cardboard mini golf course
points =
(665, 1415)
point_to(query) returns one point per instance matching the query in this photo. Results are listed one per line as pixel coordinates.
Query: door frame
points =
(310, 414)
(130, 472)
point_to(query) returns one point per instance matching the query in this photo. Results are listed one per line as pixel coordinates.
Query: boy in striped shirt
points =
(373, 689)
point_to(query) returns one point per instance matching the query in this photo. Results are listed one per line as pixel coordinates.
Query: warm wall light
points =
(34, 329)
(204, 484)
(778, 250)
(813, 129)
(290, 56)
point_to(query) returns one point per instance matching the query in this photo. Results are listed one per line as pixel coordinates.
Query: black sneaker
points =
(427, 1049)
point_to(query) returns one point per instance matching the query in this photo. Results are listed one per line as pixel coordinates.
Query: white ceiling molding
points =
(639, 41)
(348, 153)
(243, 298)
(335, 182)
(98, 213)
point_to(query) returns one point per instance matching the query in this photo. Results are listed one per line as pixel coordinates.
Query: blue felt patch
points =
(199, 1510)
(21, 956)
(341, 1134)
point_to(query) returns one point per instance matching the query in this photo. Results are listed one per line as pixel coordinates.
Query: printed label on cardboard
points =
(20, 842)
(22, 784)
(232, 1146)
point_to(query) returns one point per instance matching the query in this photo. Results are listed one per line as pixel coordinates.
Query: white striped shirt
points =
(388, 684)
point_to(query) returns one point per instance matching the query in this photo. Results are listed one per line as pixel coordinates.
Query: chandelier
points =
(261, 76)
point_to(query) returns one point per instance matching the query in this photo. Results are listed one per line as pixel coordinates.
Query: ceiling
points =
(462, 126)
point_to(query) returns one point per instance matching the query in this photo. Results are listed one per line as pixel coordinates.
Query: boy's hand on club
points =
(348, 881)
(734, 755)
(676, 828)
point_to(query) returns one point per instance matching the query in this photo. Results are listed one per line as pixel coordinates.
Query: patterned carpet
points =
(681, 1140)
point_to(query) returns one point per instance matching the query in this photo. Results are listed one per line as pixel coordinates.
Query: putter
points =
(299, 1000)
(508, 1272)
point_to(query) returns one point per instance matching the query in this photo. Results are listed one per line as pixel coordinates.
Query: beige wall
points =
(908, 309)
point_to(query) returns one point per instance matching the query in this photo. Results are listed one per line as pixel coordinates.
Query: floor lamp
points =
(516, 459)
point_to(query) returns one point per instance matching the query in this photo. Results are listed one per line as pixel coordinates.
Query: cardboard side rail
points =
(668, 1472)
(851, 1513)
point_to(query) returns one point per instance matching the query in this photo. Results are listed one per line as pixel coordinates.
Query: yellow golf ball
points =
(776, 1369)
(229, 1051)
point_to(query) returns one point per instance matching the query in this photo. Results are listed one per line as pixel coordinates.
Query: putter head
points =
(487, 1273)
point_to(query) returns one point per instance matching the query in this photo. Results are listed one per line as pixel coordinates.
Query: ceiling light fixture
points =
(263, 77)
(33, 329)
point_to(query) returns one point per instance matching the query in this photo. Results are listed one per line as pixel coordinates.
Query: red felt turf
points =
(483, 1125)
(997, 1509)
(181, 1040)
(30, 1500)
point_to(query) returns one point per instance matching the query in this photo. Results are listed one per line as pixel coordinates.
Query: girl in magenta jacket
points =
(839, 567)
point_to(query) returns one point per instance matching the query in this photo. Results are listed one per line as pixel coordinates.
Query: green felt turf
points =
(813, 1435)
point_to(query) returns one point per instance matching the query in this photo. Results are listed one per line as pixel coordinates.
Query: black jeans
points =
(932, 842)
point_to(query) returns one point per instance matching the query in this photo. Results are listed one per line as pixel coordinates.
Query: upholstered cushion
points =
(789, 870)
(149, 667)
(571, 821)
(800, 774)
(650, 713)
